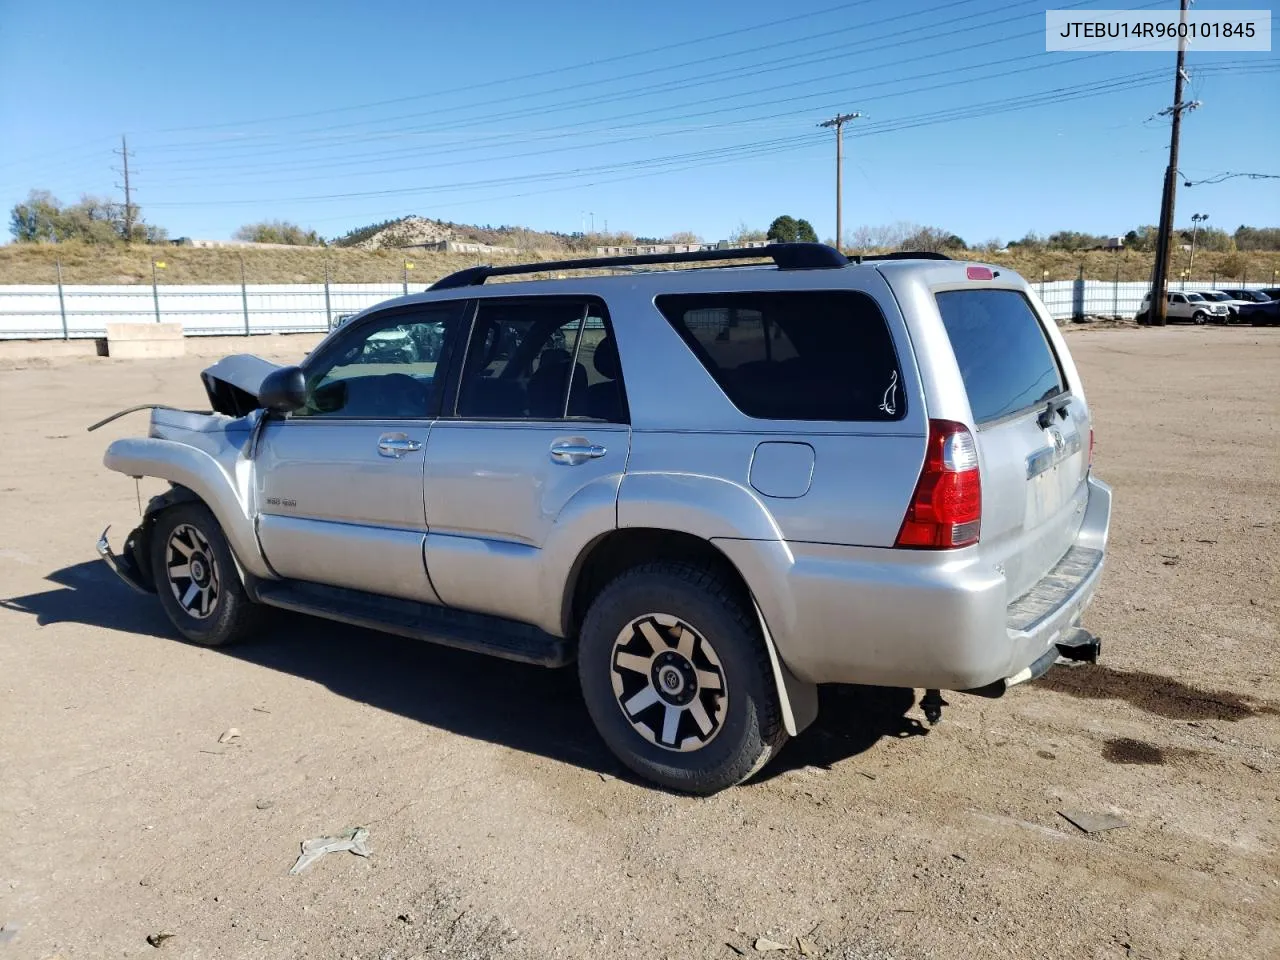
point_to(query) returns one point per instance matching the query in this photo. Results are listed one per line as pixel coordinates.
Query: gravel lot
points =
(501, 827)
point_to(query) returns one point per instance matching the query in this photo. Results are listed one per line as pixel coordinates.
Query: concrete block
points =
(136, 341)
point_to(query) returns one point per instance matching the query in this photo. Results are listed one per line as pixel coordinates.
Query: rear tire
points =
(196, 577)
(677, 679)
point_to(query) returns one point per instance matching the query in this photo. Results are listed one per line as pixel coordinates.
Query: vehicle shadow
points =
(524, 707)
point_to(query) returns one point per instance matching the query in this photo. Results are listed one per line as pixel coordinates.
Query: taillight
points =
(946, 508)
(978, 273)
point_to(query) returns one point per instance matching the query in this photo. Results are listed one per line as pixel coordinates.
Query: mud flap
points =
(798, 700)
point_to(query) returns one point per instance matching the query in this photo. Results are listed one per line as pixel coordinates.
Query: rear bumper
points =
(914, 618)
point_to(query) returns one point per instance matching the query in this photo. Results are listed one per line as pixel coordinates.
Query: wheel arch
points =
(195, 475)
(609, 555)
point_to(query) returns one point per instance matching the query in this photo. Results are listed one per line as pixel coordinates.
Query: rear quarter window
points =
(1005, 358)
(794, 355)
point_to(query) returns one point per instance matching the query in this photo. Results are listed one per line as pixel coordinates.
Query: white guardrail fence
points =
(76, 311)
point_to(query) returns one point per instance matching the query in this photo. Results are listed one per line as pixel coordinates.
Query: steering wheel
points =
(403, 395)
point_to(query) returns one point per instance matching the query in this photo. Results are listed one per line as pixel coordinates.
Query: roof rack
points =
(788, 256)
(902, 255)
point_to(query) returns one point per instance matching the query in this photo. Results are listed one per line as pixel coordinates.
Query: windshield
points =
(1195, 298)
(1215, 296)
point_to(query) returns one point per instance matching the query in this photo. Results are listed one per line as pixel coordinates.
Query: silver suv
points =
(1188, 306)
(713, 488)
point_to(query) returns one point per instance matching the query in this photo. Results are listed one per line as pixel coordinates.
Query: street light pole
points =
(1196, 220)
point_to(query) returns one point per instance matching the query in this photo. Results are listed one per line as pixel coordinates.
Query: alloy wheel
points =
(669, 683)
(192, 571)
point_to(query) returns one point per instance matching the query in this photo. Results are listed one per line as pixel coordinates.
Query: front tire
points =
(1198, 318)
(196, 578)
(677, 679)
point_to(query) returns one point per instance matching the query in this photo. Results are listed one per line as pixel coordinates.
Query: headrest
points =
(606, 359)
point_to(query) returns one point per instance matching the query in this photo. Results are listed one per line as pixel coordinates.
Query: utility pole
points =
(123, 153)
(1164, 241)
(838, 121)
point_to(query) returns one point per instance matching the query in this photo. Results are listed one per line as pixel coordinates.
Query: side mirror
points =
(283, 390)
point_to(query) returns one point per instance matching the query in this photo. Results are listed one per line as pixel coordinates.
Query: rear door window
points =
(794, 355)
(1005, 358)
(541, 358)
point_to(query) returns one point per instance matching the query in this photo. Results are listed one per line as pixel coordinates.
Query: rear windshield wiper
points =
(1058, 405)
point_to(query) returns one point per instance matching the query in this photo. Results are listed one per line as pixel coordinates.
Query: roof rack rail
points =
(902, 255)
(788, 256)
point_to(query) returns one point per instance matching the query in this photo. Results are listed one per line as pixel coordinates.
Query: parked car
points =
(1233, 305)
(1185, 306)
(714, 489)
(1261, 314)
(1248, 296)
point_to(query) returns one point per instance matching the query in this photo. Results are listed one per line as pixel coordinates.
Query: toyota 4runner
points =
(714, 489)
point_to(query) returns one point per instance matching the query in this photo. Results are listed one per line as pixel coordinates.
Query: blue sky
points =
(655, 117)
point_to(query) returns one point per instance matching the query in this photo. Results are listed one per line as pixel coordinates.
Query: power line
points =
(1003, 105)
(568, 132)
(1221, 177)
(467, 147)
(913, 37)
(528, 76)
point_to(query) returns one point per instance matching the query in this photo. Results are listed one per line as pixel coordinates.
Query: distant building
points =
(636, 249)
(458, 246)
(214, 244)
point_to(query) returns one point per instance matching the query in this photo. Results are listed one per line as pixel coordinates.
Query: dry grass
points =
(85, 263)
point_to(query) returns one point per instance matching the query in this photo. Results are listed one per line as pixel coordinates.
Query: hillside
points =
(86, 263)
(409, 231)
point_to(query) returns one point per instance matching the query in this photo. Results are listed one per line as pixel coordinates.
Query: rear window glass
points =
(1004, 356)
(803, 355)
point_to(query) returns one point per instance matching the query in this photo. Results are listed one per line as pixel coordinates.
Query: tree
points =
(1074, 240)
(278, 231)
(1232, 265)
(745, 234)
(42, 218)
(1257, 238)
(684, 236)
(1142, 240)
(787, 229)
(782, 230)
(1032, 241)
(931, 240)
(35, 220)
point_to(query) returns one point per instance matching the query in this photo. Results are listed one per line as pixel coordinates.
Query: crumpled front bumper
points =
(125, 564)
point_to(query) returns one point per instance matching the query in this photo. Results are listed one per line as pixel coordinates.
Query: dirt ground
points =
(500, 826)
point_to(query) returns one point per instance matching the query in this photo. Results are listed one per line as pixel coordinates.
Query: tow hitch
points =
(932, 703)
(1078, 647)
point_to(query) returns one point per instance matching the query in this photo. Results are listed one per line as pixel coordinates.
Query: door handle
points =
(396, 445)
(574, 452)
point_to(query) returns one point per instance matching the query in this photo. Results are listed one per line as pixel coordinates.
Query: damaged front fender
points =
(227, 492)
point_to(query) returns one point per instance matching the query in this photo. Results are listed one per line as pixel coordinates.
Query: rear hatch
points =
(1033, 433)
